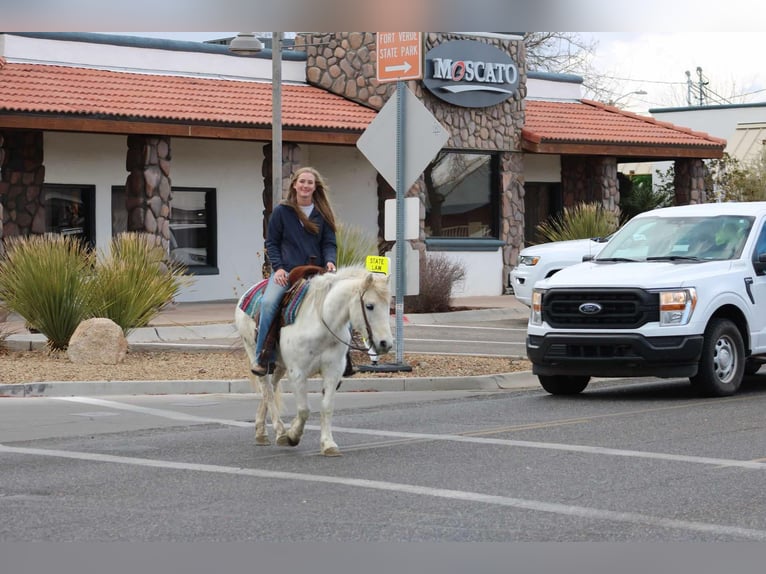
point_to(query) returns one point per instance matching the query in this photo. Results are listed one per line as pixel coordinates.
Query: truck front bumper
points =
(614, 355)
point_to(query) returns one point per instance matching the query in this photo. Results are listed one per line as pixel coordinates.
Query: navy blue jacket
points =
(289, 244)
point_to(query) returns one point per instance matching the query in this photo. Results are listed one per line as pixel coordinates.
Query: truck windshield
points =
(679, 239)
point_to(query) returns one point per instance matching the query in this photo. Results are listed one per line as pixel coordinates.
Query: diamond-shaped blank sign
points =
(423, 137)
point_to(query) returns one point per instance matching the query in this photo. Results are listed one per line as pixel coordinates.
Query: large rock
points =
(97, 341)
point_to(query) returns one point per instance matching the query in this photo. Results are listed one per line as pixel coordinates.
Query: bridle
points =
(366, 325)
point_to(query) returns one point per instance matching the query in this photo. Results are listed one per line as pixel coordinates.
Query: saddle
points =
(297, 279)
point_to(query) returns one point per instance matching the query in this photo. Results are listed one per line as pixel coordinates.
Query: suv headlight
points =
(530, 260)
(676, 307)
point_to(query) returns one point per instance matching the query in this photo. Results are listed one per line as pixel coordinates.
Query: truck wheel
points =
(722, 363)
(564, 384)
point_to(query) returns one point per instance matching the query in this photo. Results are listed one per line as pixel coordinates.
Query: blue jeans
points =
(272, 297)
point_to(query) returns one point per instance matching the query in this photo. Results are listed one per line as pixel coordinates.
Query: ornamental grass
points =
(54, 282)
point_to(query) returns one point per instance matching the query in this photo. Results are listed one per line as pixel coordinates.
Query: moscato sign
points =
(470, 74)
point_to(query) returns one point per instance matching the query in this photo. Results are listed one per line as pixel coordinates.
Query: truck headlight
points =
(676, 307)
(530, 260)
(536, 311)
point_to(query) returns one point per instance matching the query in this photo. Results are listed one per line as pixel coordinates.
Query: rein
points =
(366, 324)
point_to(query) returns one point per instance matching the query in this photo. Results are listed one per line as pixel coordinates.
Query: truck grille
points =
(610, 308)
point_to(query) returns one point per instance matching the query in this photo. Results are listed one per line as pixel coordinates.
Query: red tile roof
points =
(38, 88)
(589, 122)
(551, 127)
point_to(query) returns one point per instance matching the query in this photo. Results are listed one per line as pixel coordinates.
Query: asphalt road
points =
(640, 461)
(494, 338)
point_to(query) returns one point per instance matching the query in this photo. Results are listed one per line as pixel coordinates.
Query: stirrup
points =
(259, 370)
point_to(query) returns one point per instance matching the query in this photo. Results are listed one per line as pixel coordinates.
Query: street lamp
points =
(247, 44)
(636, 92)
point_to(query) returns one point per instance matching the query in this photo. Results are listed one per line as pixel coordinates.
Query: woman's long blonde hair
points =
(320, 198)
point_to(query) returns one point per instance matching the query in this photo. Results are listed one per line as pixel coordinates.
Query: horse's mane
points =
(321, 284)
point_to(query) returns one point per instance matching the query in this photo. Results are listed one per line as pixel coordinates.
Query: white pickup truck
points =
(677, 292)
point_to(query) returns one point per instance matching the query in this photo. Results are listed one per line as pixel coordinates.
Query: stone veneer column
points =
(689, 181)
(148, 191)
(22, 207)
(590, 180)
(2, 190)
(512, 209)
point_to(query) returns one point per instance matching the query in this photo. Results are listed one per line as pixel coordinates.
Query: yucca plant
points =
(44, 278)
(354, 245)
(579, 222)
(134, 281)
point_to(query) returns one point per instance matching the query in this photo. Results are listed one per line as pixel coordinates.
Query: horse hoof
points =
(285, 440)
(332, 451)
(262, 441)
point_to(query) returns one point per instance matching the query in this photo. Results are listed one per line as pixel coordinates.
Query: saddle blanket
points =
(250, 302)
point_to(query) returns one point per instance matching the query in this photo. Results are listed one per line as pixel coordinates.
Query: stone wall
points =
(345, 63)
(689, 181)
(590, 180)
(21, 185)
(147, 189)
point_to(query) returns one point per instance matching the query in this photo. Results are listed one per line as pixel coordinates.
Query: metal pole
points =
(400, 252)
(276, 118)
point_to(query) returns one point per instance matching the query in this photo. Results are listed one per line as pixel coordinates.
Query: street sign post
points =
(399, 56)
(418, 140)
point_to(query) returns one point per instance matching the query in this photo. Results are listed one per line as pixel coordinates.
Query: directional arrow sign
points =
(400, 56)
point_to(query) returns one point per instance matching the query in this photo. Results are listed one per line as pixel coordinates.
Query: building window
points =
(462, 198)
(193, 228)
(70, 210)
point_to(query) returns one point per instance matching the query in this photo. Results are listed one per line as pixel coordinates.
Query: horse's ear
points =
(368, 281)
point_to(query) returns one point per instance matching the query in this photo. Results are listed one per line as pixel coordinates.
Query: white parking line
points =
(534, 505)
(585, 449)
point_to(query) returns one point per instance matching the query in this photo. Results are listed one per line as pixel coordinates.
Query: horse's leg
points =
(294, 434)
(261, 435)
(327, 445)
(246, 327)
(272, 395)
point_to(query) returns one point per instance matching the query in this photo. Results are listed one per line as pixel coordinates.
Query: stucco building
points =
(101, 134)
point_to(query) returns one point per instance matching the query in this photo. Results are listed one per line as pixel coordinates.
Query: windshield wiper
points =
(674, 258)
(616, 260)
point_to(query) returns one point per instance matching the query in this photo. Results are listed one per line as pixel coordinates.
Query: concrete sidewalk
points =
(209, 326)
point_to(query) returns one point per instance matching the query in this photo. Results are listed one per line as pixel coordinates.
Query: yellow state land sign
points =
(377, 264)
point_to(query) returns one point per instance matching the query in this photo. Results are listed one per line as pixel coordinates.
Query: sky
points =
(653, 62)
(657, 63)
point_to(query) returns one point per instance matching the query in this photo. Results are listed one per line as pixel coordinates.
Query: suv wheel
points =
(564, 384)
(722, 364)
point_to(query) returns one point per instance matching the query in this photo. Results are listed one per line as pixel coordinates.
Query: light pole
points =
(247, 44)
(636, 92)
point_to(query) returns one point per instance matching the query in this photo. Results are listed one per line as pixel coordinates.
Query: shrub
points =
(354, 245)
(582, 221)
(55, 283)
(643, 197)
(3, 329)
(134, 281)
(437, 280)
(44, 278)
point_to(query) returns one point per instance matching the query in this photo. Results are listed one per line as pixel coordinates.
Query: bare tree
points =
(568, 53)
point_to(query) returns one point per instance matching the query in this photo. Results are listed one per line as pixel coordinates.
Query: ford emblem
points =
(590, 308)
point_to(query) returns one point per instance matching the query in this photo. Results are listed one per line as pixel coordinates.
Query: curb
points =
(504, 381)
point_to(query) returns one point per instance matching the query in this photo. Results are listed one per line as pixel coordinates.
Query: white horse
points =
(317, 341)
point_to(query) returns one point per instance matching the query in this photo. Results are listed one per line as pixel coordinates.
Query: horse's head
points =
(370, 315)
